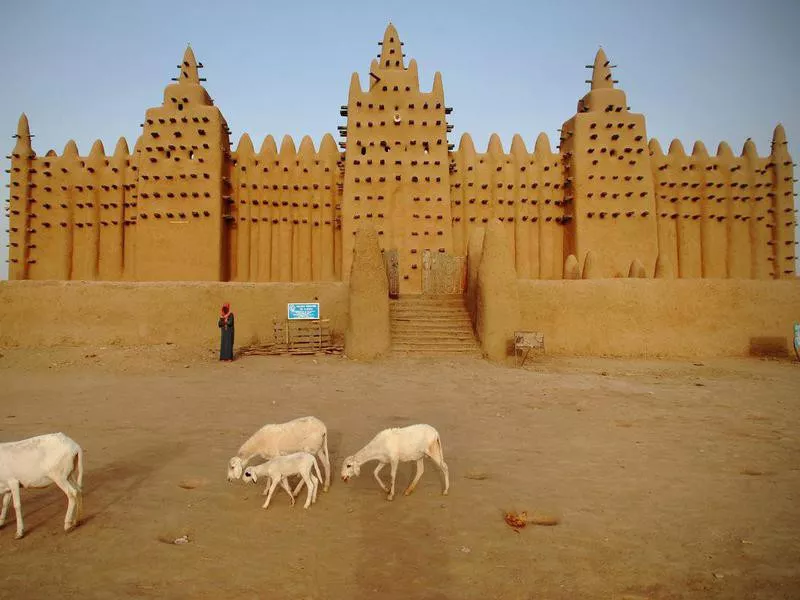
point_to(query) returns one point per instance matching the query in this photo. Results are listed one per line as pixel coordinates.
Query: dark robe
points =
(226, 341)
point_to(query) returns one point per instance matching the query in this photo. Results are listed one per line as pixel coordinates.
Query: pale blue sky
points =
(698, 69)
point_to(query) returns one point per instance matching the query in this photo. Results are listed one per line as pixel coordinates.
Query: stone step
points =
(432, 339)
(432, 326)
(440, 345)
(428, 318)
(459, 322)
(440, 329)
(423, 309)
(431, 299)
(417, 351)
(440, 350)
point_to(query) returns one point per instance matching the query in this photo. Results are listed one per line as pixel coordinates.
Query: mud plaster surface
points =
(672, 480)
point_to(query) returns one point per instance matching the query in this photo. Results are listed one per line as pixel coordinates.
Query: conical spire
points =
(438, 88)
(637, 269)
(572, 270)
(392, 49)
(676, 148)
(413, 75)
(306, 152)
(495, 146)
(97, 149)
(602, 95)
(269, 149)
(120, 154)
(655, 147)
(327, 148)
(778, 140)
(121, 149)
(466, 145)
(70, 149)
(355, 87)
(591, 267)
(23, 129)
(699, 150)
(601, 72)
(663, 268)
(23, 146)
(245, 146)
(749, 149)
(518, 148)
(189, 67)
(288, 151)
(97, 156)
(724, 150)
(542, 146)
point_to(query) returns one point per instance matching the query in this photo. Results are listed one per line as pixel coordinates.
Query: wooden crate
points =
(302, 337)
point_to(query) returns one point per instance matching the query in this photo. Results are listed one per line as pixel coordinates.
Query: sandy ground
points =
(671, 479)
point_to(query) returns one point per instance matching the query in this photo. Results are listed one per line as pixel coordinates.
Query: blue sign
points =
(299, 310)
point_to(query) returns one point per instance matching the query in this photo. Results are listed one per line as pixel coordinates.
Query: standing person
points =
(226, 333)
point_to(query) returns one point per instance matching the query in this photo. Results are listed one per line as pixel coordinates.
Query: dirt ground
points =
(670, 479)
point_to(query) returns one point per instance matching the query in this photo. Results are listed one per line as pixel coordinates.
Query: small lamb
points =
(395, 445)
(36, 463)
(278, 469)
(306, 434)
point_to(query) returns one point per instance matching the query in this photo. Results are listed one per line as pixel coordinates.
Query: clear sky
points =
(698, 69)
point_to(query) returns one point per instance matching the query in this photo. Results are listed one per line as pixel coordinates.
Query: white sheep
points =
(36, 463)
(280, 468)
(306, 434)
(396, 445)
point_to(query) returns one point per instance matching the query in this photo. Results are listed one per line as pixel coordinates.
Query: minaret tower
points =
(20, 226)
(183, 186)
(609, 182)
(396, 164)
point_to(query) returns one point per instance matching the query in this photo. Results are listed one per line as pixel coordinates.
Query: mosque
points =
(602, 201)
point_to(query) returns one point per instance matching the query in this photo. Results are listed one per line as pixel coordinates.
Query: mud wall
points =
(523, 190)
(661, 318)
(49, 313)
(285, 213)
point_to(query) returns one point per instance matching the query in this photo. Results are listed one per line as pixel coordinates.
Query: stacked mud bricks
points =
(607, 202)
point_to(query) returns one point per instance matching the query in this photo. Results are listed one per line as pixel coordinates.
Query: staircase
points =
(432, 326)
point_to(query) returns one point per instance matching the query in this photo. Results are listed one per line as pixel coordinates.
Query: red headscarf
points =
(226, 310)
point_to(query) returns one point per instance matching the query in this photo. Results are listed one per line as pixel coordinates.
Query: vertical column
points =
(782, 216)
(330, 177)
(268, 213)
(245, 195)
(130, 211)
(301, 205)
(666, 201)
(520, 160)
(754, 195)
(715, 201)
(110, 198)
(739, 246)
(285, 243)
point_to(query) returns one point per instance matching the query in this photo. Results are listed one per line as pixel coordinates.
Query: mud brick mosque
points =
(606, 202)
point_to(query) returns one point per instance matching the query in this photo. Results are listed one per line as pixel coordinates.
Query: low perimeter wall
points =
(658, 317)
(49, 313)
(601, 317)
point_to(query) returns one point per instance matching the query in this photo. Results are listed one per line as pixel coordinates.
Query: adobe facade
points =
(607, 201)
